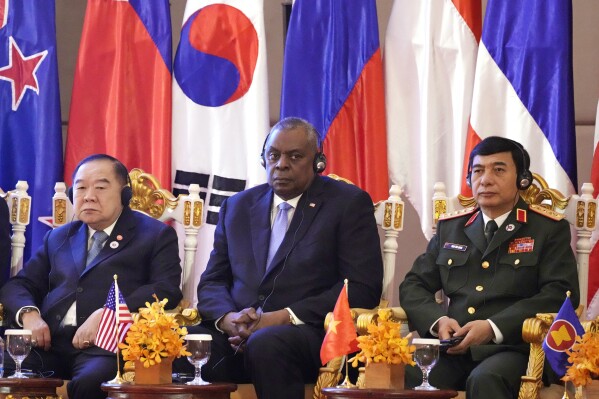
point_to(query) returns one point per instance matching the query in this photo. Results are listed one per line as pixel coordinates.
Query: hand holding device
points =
(448, 343)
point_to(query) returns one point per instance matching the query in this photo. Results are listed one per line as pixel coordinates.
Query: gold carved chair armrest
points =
(534, 331)
(186, 316)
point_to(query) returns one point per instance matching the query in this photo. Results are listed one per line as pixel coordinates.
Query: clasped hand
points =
(475, 332)
(240, 325)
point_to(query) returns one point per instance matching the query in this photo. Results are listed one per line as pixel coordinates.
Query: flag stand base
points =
(118, 380)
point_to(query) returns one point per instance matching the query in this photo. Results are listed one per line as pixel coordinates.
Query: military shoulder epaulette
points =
(541, 210)
(458, 213)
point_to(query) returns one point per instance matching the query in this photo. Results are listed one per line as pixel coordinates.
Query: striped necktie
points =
(98, 240)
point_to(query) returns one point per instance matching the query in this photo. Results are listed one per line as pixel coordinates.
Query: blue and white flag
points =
(31, 138)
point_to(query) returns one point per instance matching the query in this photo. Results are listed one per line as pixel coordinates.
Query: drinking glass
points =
(18, 344)
(199, 347)
(426, 356)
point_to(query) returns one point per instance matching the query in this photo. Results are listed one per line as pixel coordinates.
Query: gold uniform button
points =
(479, 288)
(485, 265)
(517, 262)
(471, 310)
(449, 262)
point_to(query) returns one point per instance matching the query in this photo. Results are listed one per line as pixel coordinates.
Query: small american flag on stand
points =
(107, 334)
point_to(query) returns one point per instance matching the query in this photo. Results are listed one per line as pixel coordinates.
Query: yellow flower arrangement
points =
(154, 335)
(584, 359)
(383, 343)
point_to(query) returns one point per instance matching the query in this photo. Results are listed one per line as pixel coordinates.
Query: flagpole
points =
(346, 382)
(118, 379)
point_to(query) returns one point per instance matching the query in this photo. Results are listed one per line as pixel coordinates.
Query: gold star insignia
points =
(333, 325)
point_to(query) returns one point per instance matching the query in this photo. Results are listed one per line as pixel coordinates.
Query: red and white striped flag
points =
(107, 334)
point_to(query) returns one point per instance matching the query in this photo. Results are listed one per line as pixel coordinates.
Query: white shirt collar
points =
(499, 219)
(107, 230)
(278, 200)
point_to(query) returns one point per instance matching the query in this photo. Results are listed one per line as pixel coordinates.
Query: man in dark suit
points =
(60, 293)
(499, 264)
(267, 317)
(5, 242)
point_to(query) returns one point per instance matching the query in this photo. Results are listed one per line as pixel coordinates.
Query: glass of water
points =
(199, 347)
(426, 356)
(18, 344)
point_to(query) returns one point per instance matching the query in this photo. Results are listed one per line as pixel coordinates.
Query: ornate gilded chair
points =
(389, 215)
(580, 211)
(19, 212)
(19, 206)
(150, 198)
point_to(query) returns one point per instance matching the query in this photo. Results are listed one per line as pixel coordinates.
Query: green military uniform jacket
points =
(526, 269)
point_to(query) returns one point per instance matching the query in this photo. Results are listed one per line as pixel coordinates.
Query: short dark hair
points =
(293, 122)
(119, 168)
(495, 144)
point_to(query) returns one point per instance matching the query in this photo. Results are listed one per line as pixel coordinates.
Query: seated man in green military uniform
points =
(499, 263)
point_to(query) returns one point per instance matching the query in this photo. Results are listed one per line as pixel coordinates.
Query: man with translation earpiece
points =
(60, 293)
(498, 263)
(281, 252)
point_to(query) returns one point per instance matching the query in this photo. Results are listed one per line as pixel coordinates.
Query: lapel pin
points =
(312, 204)
(510, 227)
(119, 237)
(114, 245)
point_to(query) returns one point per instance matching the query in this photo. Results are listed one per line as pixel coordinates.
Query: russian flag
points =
(430, 59)
(333, 77)
(31, 136)
(121, 102)
(523, 88)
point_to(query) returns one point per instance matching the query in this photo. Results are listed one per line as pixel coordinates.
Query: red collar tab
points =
(521, 215)
(472, 219)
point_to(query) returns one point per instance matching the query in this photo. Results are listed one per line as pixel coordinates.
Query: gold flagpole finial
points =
(568, 293)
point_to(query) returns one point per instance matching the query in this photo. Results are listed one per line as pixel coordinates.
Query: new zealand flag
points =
(30, 138)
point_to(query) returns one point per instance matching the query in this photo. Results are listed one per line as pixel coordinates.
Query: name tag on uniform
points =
(455, 247)
(524, 244)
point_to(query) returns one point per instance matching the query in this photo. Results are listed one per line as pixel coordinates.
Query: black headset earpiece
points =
(127, 192)
(320, 161)
(524, 179)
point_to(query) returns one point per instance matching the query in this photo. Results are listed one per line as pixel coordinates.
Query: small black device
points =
(448, 343)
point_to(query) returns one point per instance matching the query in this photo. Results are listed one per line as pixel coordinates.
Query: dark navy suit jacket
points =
(332, 236)
(143, 252)
(5, 229)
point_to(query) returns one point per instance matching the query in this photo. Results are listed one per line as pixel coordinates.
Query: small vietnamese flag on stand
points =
(341, 337)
